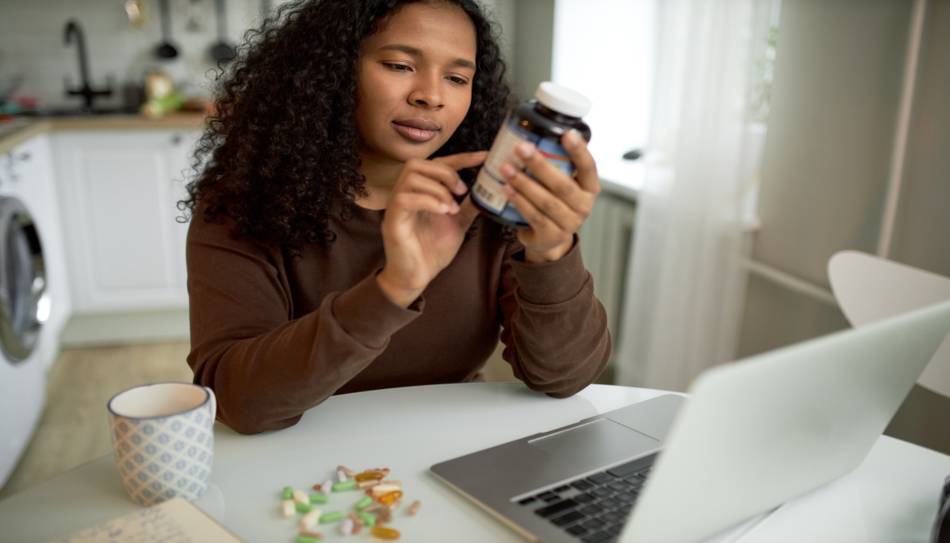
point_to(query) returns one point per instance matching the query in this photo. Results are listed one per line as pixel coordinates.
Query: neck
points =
(381, 174)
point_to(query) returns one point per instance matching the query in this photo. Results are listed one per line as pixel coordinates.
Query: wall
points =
(833, 111)
(31, 42)
(838, 76)
(924, 208)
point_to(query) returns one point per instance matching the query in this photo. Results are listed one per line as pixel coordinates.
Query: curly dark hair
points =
(280, 153)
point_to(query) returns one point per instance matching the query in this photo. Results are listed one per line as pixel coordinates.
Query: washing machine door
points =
(24, 302)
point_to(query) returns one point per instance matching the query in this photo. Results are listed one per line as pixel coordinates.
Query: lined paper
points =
(172, 521)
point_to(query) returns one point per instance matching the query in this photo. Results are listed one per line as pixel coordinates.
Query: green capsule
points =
(345, 485)
(363, 503)
(303, 507)
(333, 516)
(306, 539)
(368, 519)
(288, 493)
(318, 497)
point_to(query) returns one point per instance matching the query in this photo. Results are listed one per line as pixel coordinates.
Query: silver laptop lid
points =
(772, 427)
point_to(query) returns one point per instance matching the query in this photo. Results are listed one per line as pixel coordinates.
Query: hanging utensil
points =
(222, 51)
(135, 13)
(193, 23)
(166, 49)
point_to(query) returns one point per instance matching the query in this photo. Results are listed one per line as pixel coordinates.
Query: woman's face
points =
(414, 81)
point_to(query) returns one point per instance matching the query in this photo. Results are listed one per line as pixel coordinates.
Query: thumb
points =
(462, 160)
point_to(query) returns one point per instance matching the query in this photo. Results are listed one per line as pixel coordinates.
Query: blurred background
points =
(741, 144)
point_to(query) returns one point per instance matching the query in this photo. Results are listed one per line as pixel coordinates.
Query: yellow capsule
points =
(390, 497)
(370, 474)
(414, 508)
(383, 532)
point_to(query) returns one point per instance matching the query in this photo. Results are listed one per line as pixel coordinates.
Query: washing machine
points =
(32, 283)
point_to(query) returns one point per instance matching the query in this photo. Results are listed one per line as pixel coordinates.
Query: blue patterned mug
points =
(163, 439)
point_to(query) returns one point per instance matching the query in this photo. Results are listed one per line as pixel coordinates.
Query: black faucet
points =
(74, 32)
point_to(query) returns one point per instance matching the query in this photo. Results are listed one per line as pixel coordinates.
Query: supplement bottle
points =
(542, 122)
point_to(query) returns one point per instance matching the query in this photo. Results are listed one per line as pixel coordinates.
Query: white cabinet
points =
(119, 189)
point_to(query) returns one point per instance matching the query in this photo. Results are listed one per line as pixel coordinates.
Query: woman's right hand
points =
(423, 227)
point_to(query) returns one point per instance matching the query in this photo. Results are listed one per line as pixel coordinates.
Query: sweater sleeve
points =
(555, 330)
(266, 367)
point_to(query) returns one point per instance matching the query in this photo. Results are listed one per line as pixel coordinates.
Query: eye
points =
(458, 80)
(396, 67)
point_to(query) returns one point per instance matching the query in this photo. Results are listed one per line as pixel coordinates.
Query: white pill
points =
(309, 520)
(287, 508)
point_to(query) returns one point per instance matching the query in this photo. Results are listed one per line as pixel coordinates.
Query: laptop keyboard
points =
(593, 509)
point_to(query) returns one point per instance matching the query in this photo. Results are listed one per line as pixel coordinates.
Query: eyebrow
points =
(410, 50)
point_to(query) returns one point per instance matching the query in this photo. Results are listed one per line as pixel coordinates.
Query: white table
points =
(891, 497)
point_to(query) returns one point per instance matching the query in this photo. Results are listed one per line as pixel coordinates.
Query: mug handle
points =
(214, 404)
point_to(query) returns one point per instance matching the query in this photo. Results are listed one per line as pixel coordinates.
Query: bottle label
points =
(488, 190)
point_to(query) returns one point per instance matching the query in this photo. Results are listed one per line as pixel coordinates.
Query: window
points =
(604, 50)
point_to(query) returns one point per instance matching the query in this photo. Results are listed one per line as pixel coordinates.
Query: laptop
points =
(751, 435)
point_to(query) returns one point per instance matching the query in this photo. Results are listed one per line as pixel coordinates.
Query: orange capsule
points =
(384, 514)
(390, 497)
(357, 523)
(383, 532)
(370, 474)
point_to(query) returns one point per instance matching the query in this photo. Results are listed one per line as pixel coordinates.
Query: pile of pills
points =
(371, 512)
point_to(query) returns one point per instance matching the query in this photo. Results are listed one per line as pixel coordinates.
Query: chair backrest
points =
(869, 288)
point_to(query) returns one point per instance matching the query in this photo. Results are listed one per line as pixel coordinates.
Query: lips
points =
(417, 129)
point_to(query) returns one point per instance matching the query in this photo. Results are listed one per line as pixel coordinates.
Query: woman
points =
(333, 247)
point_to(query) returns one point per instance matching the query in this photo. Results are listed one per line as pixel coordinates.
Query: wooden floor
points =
(74, 426)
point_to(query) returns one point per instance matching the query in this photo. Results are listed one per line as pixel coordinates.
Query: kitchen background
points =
(838, 99)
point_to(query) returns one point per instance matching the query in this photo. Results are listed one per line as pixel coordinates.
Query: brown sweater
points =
(275, 334)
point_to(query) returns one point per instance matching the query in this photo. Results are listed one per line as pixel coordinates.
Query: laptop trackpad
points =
(596, 443)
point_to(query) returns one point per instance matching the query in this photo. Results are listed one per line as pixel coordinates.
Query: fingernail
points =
(507, 170)
(572, 138)
(444, 207)
(461, 187)
(524, 150)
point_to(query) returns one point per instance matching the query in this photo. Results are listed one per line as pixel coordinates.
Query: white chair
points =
(869, 288)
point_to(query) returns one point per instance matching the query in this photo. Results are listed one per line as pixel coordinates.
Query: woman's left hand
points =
(554, 204)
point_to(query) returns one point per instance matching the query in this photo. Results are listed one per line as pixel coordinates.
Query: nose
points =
(426, 93)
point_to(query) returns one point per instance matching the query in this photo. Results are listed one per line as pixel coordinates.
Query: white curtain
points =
(685, 292)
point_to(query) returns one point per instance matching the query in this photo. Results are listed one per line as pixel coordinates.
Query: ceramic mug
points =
(163, 439)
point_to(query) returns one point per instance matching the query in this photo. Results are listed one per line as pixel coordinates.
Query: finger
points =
(586, 173)
(579, 201)
(413, 201)
(538, 221)
(462, 160)
(423, 184)
(548, 204)
(542, 169)
(439, 172)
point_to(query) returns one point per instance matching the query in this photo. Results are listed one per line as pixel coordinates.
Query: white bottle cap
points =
(562, 99)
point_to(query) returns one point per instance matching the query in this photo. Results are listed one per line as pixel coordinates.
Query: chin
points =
(403, 152)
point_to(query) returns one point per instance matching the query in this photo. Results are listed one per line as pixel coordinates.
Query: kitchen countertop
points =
(21, 129)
